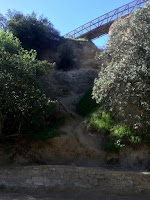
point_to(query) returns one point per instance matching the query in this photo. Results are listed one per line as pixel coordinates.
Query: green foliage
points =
(39, 131)
(43, 135)
(22, 104)
(34, 33)
(86, 104)
(120, 132)
(77, 40)
(123, 85)
(119, 136)
(113, 146)
(124, 134)
(145, 137)
(9, 43)
(116, 136)
(100, 121)
(135, 139)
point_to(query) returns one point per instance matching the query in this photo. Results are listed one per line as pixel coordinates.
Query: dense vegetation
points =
(24, 109)
(123, 86)
(122, 89)
(33, 33)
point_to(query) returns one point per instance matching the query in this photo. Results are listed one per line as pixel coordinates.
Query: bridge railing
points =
(106, 18)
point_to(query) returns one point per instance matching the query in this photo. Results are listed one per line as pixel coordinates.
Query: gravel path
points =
(90, 196)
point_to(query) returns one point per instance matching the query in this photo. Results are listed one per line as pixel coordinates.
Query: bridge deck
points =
(100, 26)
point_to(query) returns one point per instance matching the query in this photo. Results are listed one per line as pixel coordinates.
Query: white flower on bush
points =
(123, 84)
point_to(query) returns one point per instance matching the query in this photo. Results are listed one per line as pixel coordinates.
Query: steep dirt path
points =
(76, 128)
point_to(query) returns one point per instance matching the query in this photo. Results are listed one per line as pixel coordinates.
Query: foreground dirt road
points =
(81, 196)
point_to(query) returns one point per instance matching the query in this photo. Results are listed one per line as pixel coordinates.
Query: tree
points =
(34, 33)
(123, 85)
(21, 102)
(3, 21)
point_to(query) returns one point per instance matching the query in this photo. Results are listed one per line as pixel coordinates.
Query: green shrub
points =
(117, 135)
(135, 139)
(123, 85)
(38, 130)
(22, 104)
(100, 121)
(124, 134)
(113, 146)
(86, 104)
(9, 43)
(120, 132)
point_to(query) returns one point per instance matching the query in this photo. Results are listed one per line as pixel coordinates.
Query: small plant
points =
(135, 139)
(85, 122)
(115, 147)
(101, 121)
(120, 132)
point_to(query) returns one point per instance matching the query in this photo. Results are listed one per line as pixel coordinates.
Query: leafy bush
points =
(123, 85)
(120, 132)
(113, 146)
(135, 139)
(116, 136)
(9, 43)
(101, 121)
(86, 104)
(124, 134)
(21, 102)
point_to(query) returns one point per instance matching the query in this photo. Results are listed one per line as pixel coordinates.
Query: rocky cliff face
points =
(71, 85)
(84, 53)
(68, 86)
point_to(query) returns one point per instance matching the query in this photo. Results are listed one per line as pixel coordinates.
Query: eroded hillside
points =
(75, 71)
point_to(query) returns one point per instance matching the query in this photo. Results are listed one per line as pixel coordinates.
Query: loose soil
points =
(72, 196)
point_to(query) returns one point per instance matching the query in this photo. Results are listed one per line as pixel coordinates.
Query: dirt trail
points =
(76, 128)
(75, 196)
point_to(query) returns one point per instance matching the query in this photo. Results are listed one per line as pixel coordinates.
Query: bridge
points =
(100, 26)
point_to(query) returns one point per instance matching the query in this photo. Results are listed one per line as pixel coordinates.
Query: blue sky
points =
(65, 15)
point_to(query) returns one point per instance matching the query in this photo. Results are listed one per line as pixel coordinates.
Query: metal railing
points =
(105, 19)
